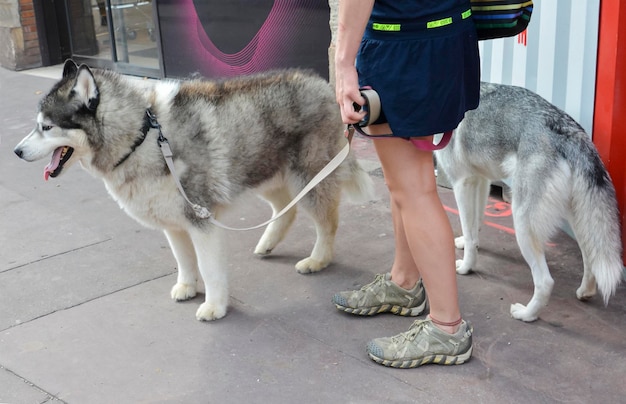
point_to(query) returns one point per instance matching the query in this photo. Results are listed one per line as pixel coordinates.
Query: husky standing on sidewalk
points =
(556, 174)
(271, 133)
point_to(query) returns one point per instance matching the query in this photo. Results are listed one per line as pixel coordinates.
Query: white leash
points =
(204, 213)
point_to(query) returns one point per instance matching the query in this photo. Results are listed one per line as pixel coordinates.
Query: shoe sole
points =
(385, 308)
(447, 360)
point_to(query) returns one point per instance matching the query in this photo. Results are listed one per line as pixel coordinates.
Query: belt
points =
(446, 20)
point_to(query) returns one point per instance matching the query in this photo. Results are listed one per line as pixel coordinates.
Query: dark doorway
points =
(54, 37)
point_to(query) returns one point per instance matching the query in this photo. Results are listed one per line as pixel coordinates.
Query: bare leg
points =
(409, 174)
(404, 273)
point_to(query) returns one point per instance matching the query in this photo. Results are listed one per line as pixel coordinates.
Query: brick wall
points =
(19, 44)
(31, 55)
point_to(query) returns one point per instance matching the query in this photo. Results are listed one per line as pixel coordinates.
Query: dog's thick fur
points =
(555, 173)
(270, 133)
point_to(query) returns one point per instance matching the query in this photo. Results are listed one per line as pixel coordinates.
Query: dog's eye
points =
(46, 128)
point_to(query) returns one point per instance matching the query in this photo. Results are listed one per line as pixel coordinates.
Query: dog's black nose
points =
(18, 152)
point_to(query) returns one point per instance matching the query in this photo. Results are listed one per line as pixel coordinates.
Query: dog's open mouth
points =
(59, 158)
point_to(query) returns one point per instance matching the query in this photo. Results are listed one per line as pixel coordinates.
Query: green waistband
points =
(442, 22)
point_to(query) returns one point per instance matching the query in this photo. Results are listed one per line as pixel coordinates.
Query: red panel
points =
(609, 125)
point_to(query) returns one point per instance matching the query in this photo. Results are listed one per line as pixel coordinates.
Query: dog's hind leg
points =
(212, 266)
(531, 237)
(187, 263)
(471, 197)
(278, 198)
(322, 204)
(588, 286)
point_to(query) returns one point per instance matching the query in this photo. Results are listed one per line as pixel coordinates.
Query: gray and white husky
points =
(270, 133)
(555, 173)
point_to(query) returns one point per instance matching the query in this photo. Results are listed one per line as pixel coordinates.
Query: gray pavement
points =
(85, 313)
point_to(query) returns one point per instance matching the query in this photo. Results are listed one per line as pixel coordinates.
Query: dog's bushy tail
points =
(595, 220)
(356, 182)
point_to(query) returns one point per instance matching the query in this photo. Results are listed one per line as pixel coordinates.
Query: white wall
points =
(558, 60)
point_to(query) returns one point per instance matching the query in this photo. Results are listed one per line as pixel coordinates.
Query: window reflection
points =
(94, 23)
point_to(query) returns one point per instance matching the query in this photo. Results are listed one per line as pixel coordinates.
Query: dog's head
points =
(66, 115)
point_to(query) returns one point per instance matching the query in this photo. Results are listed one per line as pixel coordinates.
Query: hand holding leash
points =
(347, 95)
(371, 107)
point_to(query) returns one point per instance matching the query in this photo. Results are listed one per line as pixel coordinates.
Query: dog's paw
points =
(520, 312)
(586, 292)
(210, 312)
(183, 291)
(309, 265)
(267, 243)
(263, 249)
(459, 242)
(462, 269)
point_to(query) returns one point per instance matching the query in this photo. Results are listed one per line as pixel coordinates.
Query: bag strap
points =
(421, 144)
(430, 146)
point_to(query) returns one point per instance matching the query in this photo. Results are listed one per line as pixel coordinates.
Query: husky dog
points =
(270, 133)
(556, 174)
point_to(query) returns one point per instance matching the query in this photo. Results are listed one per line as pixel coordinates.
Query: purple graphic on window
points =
(221, 38)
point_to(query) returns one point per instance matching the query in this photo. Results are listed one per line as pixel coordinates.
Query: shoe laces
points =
(416, 328)
(378, 281)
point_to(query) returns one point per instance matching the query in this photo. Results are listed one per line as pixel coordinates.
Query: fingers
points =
(348, 95)
(351, 108)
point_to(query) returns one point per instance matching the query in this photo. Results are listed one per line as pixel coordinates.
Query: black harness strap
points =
(145, 128)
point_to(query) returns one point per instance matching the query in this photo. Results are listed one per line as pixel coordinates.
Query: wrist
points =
(343, 62)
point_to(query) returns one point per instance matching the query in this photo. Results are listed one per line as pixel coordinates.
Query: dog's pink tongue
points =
(53, 164)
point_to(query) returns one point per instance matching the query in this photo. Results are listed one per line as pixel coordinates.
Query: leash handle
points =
(372, 107)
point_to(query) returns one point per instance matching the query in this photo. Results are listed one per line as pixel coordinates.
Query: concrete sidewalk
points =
(85, 313)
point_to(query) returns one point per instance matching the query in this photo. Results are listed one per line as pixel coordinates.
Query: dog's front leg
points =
(471, 197)
(185, 255)
(211, 263)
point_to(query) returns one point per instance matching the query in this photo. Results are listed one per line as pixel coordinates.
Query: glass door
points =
(115, 33)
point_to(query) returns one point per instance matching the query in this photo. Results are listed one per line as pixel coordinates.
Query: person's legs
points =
(404, 272)
(428, 237)
(398, 292)
(443, 338)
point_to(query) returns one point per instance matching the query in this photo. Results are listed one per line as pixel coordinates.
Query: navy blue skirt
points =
(427, 73)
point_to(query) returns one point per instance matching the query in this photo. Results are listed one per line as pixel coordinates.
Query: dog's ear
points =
(86, 89)
(69, 68)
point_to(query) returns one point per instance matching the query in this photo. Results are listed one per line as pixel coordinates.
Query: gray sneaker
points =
(383, 296)
(422, 344)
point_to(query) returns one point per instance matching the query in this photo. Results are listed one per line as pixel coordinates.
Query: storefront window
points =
(135, 35)
(209, 38)
(128, 24)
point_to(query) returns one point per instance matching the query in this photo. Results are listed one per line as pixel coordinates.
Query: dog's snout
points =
(18, 151)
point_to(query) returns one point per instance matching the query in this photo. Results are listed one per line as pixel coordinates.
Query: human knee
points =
(412, 198)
